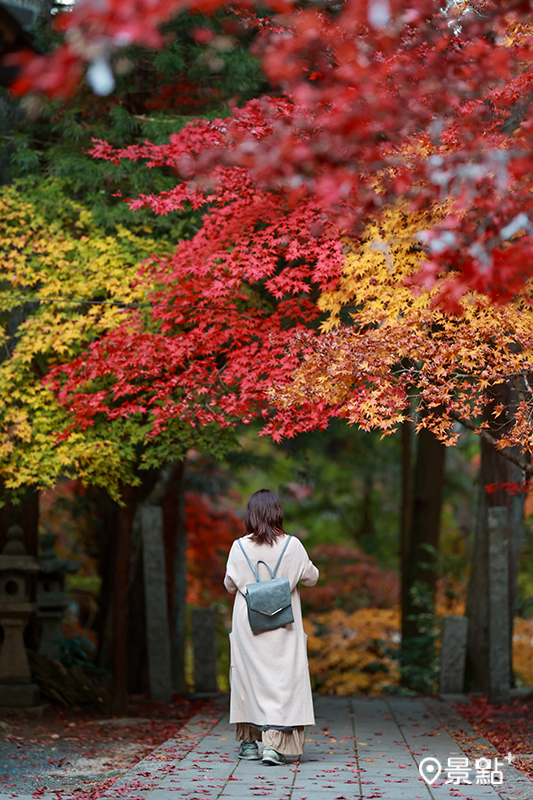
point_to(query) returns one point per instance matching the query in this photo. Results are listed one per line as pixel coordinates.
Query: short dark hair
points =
(264, 517)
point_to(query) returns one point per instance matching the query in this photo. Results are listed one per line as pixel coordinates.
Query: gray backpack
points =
(269, 602)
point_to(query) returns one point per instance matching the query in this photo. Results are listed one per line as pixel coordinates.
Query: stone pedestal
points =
(51, 633)
(453, 655)
(155, 594)
(14, 666)
(51, 600)
(499, 622)
(19, 695)
(51, 603)
(204, 644)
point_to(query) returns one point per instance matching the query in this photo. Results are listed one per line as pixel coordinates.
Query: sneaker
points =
(249, 751)
(272, 758)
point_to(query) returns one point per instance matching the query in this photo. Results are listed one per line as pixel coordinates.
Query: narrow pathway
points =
(360, 749)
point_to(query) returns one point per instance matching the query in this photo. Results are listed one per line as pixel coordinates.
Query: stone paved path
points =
(360, 749)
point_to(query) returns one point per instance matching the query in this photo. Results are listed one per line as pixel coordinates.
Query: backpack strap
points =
(255, 569)
(281, 556)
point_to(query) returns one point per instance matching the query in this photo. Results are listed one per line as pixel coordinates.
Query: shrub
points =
(353, 653)
(351, 580)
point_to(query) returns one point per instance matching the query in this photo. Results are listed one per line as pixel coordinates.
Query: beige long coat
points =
(269, 673)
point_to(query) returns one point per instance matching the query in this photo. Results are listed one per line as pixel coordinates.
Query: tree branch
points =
(163, 482)
(506, 452)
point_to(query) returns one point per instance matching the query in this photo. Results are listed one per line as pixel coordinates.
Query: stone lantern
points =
(16, 570)
(51, 600)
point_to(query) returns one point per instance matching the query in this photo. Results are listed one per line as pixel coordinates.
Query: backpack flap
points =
(269, 597)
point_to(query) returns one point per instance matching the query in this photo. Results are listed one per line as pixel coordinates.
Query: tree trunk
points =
(156, 602)
(177, 583)
(494, 468)
(107, 527)
(406, 509)
(418, 591)
(138, 678)
(26, 514)
(365, 534)
(120, 605)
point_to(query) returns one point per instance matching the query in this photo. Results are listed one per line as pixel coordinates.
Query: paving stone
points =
(323, 794)
(471, 792)
(45, 796)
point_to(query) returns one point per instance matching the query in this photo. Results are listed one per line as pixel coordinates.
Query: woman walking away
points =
(271, 696)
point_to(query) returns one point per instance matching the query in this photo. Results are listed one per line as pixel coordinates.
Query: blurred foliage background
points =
(340, 493)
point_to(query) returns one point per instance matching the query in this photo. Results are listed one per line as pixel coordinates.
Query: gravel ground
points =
(64, 751)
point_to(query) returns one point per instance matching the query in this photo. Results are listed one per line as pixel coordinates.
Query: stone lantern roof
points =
(14, 556)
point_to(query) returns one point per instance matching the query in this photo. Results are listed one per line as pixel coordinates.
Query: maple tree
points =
(279, 202)
(249, 316)
(65, 283)
(401, 356)
(225, 307)
(384, 100)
